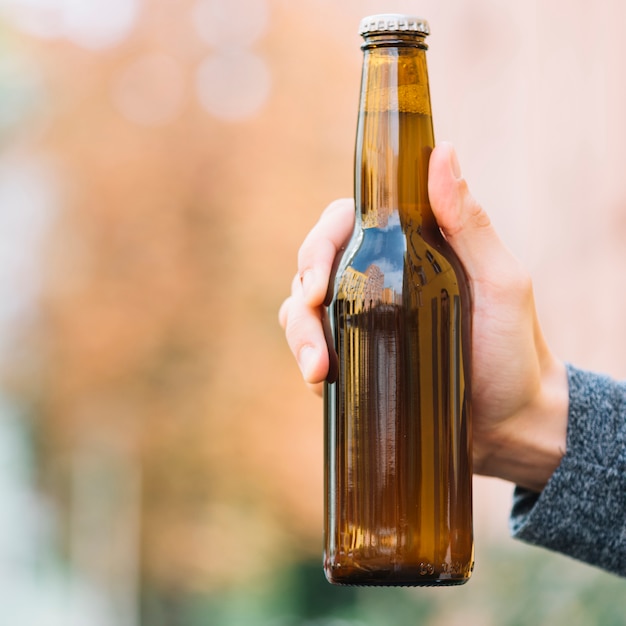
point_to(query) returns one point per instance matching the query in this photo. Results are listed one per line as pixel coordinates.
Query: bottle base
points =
(360, 578)
(421, 583)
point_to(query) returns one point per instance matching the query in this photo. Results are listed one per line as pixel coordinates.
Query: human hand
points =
(519, 388)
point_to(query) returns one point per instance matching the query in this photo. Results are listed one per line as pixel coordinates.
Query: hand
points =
(519, 388)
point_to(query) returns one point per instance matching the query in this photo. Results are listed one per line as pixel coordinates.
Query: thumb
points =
(462, 220)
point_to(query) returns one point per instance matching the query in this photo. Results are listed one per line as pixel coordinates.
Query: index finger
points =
(322, 249)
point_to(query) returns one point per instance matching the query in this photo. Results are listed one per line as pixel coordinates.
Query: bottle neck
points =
(395, 133)
(394, 40)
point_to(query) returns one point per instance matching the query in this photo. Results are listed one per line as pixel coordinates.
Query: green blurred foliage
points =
(526, 587)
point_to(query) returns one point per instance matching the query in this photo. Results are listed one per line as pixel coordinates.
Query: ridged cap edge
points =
(393, 23)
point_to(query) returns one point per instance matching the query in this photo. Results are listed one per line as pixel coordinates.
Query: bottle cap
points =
(393, 23)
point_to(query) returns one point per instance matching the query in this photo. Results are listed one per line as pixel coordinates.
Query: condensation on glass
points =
(398, 438)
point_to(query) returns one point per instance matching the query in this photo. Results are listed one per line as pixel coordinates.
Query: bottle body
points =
(398, 441)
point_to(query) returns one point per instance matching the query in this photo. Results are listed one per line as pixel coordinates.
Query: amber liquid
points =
(398, 450)
(400, 490)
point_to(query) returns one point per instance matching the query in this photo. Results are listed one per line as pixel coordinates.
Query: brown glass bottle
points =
(398, 473)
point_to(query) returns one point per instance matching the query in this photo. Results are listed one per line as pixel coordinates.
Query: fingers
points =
(321, 251)
(303, 315)
(305, 335)
(465, 224)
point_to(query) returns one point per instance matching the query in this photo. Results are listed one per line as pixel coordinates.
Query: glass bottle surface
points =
(398, 441)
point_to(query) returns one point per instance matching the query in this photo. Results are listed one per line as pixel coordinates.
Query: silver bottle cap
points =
(393, 23)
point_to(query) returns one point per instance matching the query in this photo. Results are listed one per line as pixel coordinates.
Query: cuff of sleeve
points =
(581, 511)
(566, 518)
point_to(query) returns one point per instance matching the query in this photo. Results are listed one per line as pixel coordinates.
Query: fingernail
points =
(454, 164)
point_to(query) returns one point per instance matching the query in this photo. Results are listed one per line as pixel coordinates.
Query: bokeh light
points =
(92, 24)
(233, 85)
(27, 212)
(150, 90)
(236, 23)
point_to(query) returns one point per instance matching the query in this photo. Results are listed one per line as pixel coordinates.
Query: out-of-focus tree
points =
(172, 429)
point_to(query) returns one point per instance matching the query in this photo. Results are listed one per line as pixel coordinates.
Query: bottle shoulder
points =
(375, 244)
(382, 264)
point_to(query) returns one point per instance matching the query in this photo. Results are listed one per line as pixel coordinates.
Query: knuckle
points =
(283, 312)
(340, 204)
(478, 215)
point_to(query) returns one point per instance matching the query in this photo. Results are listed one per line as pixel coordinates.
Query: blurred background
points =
(160, 163)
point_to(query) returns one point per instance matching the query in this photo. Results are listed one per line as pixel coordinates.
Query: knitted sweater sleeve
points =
(582, 510)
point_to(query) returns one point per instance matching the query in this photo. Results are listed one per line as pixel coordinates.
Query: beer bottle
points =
(398, 473)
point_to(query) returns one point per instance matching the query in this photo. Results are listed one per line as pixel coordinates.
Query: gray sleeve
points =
(582, 510)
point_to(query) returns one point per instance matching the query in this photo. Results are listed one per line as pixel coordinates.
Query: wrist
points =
(529, 445)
